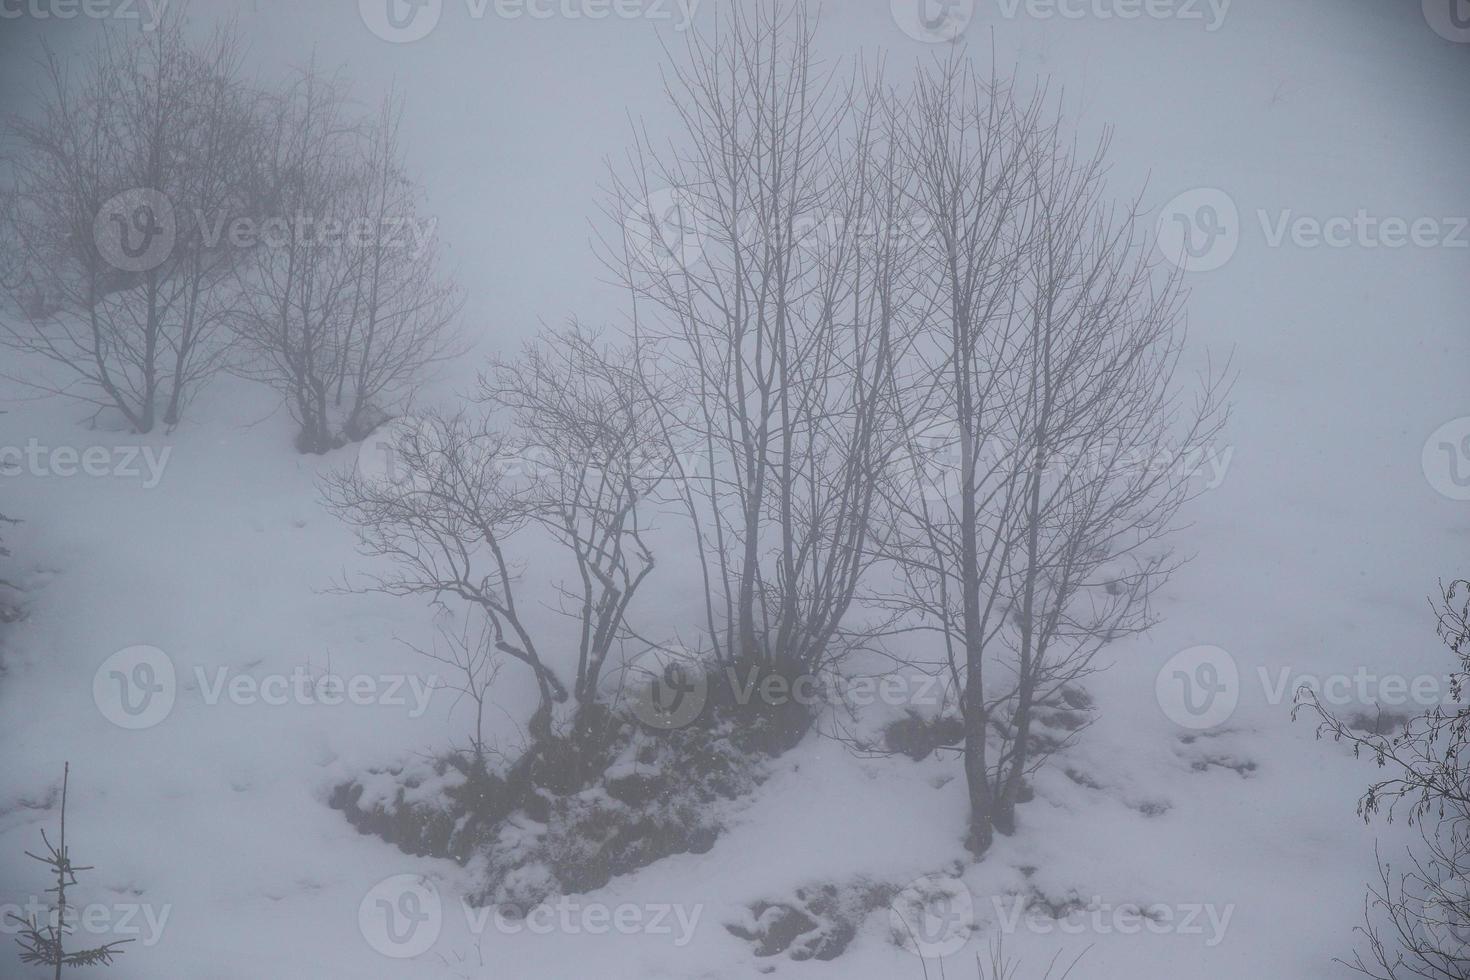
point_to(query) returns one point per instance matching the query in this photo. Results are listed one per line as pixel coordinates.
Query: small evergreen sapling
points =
(41, 941)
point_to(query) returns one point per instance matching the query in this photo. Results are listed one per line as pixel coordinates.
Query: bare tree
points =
(1417, 921)
(1049, 368)
(114, 267)
(344, 309)
(472, 656)
(579, 470)
(298, 290)
(588, 433)
(772, 301)
(445, 519)
(403, 310)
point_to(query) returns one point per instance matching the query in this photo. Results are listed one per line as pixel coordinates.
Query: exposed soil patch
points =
(575, 811)
(818, 922)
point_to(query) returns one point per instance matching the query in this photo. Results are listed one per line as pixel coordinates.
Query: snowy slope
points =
(1314, 553)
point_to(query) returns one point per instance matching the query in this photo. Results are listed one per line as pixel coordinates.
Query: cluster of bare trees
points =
(894, 358)
(127, 322)
(854, 268)
(168, 219)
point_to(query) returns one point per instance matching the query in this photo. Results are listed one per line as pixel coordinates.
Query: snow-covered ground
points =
(1313, 555)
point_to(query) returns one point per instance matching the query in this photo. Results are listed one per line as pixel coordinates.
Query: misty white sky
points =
(1348, 357)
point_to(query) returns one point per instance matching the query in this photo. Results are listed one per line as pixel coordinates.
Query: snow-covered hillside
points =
(1333, 517)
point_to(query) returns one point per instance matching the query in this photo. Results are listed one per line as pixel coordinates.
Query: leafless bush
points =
(446, 526)
(576, 471)
(474, 660)
(1418, 920)
(343, 307)
(588, 436)
(111, 267)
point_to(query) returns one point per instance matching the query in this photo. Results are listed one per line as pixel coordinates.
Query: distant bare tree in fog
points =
(403, 307)
(343, 307)
(773, 309)
(167, 121)
(1048, 376)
